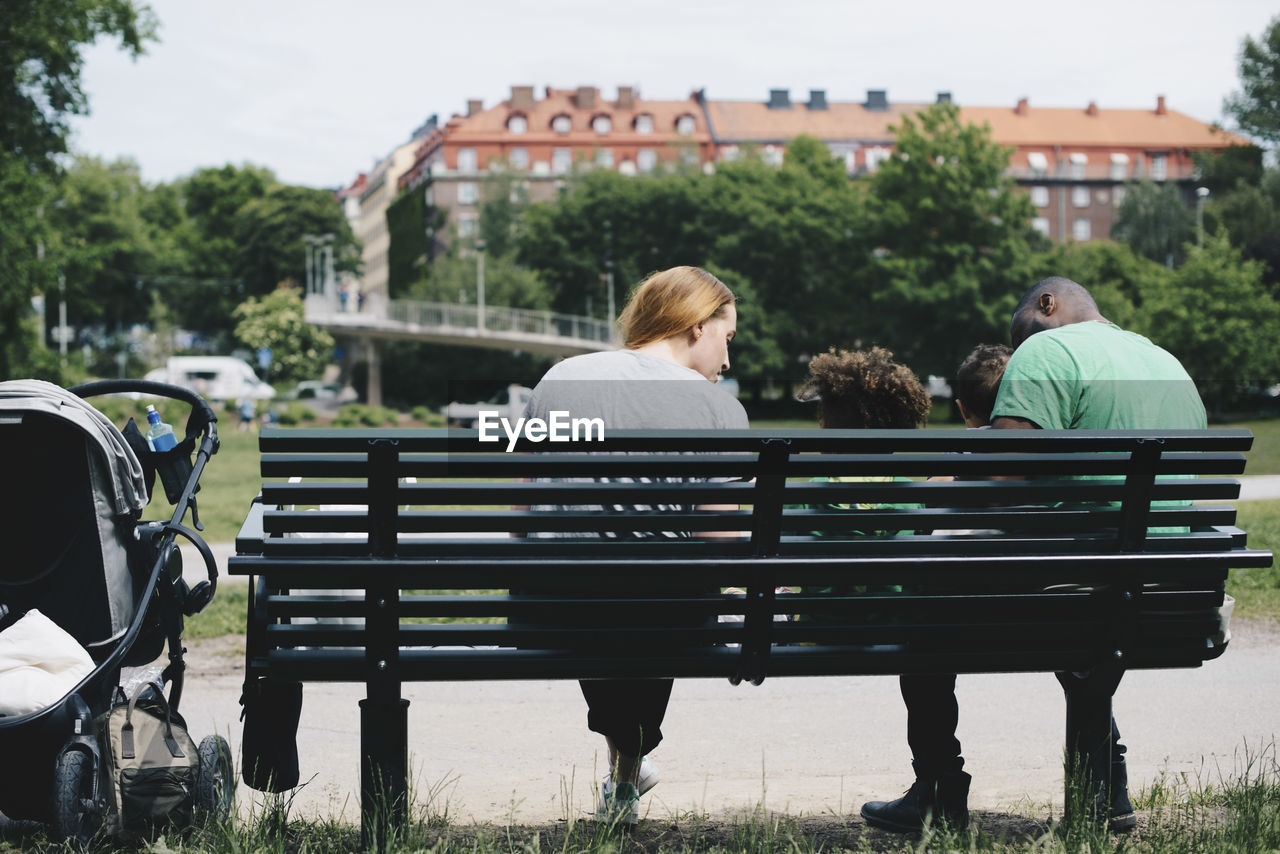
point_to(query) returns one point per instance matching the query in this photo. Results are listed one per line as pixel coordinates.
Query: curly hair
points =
(865, 389)
(978, 378)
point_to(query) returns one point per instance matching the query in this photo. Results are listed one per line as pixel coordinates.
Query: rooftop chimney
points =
(1023, 107)
(626, 98)
(943, 98)
(1160, 108)
(522, 97)
(586, 99)
(1092, 109)
(817, 99)
(779, 99)
(877, 99)
(474, 106)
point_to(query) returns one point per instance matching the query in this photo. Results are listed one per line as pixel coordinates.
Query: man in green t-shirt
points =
(1072, 369)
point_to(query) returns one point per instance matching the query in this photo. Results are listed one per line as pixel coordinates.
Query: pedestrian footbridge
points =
(463, 325)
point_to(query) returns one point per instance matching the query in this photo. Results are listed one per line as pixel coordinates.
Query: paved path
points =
(521, 750)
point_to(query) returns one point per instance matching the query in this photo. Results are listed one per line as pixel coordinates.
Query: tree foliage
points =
(41, 56)
(299, 350)
(1256, 105)
(951, 241)
(1155, 221)
(1217, 316)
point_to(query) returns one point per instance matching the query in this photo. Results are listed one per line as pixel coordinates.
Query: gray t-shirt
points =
(633, 391)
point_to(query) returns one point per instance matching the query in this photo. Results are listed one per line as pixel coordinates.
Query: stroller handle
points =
(176, 392)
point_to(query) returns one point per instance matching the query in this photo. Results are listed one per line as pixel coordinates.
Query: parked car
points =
(321, 391)
(509, 403)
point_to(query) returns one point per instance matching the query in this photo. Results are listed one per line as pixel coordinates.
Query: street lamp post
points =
(480, 285)
(1201, 194)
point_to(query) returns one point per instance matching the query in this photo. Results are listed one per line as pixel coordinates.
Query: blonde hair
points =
(669, 302)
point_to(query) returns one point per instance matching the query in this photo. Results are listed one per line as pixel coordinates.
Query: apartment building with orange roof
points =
(1074, 163)
(539, 140)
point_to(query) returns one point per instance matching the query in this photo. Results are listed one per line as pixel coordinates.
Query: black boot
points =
(1121, 815)
(934, 801)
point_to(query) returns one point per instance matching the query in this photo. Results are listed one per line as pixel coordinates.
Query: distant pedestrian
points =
(246, 410)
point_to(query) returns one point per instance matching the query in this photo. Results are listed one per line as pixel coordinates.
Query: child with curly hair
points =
(862, 389)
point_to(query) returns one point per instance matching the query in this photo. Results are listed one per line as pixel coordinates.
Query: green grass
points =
(1211, 813)
(1257, 591)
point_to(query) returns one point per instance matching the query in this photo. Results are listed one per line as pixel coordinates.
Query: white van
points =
(213, 377)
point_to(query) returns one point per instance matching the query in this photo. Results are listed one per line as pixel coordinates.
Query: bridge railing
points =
(443, 316)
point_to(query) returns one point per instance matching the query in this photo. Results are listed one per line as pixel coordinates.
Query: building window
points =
(689, 156)
(429, 195)
(466, 160)
(1041, 224)
(561, 160)
(602, 124)
(604, 158)
(519, 158)
(562, 124)
(644, 123)
(730, 153)
(519, 194)
(646, 159)
(1117, 196)
(517, 124)
(1101, 197)
(686, 125)
(1080, 197)
(467, 225)
(875, 156)
(1040, 197)
(1119, 166)
(468, 193)
(1159, 167)
(1081, 229)
(1038, 163)
(627, 167)
(773, 155)
(1078, 163)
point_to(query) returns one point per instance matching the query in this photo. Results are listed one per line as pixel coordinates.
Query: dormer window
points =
(644, 123)
(517, 124)
(686, 125)
(602, 124)
(562, 124)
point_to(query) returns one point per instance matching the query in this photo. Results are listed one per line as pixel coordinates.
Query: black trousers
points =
(932, 716)
(628, 711)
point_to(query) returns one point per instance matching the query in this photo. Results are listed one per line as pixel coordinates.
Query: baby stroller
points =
(78, 552)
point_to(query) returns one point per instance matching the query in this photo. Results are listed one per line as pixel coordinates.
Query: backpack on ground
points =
(152, 766)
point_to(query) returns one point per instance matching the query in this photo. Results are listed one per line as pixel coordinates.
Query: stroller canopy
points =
(128, 490)
(68, 535)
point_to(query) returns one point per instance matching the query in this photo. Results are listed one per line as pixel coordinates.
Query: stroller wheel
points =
(76, 817)
(215, 782)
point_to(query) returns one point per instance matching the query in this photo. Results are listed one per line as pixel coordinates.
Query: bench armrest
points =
(249, 540)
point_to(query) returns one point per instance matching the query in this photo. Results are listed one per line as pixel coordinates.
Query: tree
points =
(1218, 317)
(269, 231)
(952, 241)
(299, 350)
(1155, 221)
(1118, 280)
(41, 56)
(1256, 106)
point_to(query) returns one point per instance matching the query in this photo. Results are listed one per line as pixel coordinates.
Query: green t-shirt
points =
(1097, 376)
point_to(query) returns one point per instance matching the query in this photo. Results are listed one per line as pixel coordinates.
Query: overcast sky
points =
(319, 90)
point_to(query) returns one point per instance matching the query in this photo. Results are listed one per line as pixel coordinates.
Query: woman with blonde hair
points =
(676, 329)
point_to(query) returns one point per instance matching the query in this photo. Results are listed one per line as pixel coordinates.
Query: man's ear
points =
(1048, 305)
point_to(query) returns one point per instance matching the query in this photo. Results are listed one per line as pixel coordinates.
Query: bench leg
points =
(384, 771)
(1088, 748)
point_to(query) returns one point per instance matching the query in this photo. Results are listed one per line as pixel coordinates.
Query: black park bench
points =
(1054, 571)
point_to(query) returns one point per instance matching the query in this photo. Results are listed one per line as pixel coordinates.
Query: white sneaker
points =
(621, 807)
(647, 780)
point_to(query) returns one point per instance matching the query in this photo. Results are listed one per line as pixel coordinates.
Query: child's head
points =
(865, 389)
(978, 382)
